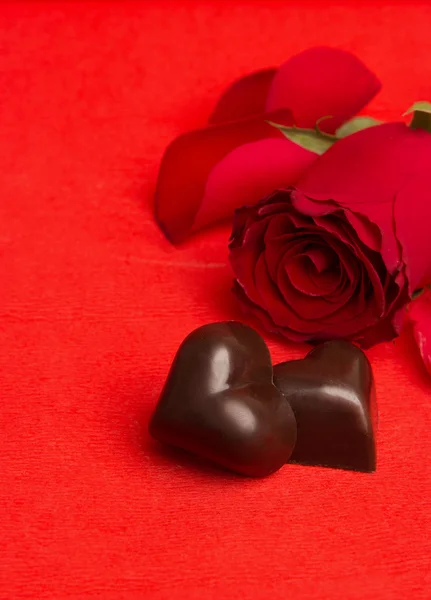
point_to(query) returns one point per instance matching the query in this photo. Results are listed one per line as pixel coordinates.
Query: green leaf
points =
(422, 106)
(421, 115)
(356, 124)
(310, 139)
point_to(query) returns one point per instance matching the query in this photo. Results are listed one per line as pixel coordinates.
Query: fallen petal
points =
(322, 82)
(249, 173)
(245, 98)
(187, 163)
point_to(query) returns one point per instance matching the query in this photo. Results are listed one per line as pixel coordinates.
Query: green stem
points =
(421, 120)
(421, 115)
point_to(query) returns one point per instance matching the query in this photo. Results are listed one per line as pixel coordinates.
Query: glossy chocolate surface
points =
(219, 402)
(331, 392)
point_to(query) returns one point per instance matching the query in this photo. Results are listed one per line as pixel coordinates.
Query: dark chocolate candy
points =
(219, 402)
(331, 392)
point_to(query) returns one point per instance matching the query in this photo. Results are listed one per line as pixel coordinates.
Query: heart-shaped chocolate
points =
(331, 392)
(219, 402)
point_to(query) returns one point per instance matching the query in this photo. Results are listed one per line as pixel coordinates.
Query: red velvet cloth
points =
(94, 302)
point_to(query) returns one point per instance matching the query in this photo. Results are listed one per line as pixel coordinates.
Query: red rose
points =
(340, 255)
(206, 174)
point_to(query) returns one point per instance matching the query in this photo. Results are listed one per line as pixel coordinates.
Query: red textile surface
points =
(94, 302)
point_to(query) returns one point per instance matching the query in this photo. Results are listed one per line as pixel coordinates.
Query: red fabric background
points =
(94, 302)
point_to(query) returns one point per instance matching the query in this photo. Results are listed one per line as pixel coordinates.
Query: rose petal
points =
(368, 166)
(245, 253)
(367, 231)
(321, 82)
(412, 216)
(420, 316)
(270, 295)
(328, 283)
(271, 300)
(384, 330)
(274, 303)
(349, 271)
(342, 242)
(188, 162)
(371, 261)
(249, 173)
(304, 276)
(278, 248)
(303, 306)
(273, 204)
(389, 327)
(308, 236)
(307, 308)
(279, 225)
(344, 320)
(399, 295)
(300, 267)
(242, 218)
(365, 172)
(348, 299)
(274, 250)
(245, 98)
(322, 259)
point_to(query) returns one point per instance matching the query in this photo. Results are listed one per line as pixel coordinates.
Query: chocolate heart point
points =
(219, 402)
(331, 392)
